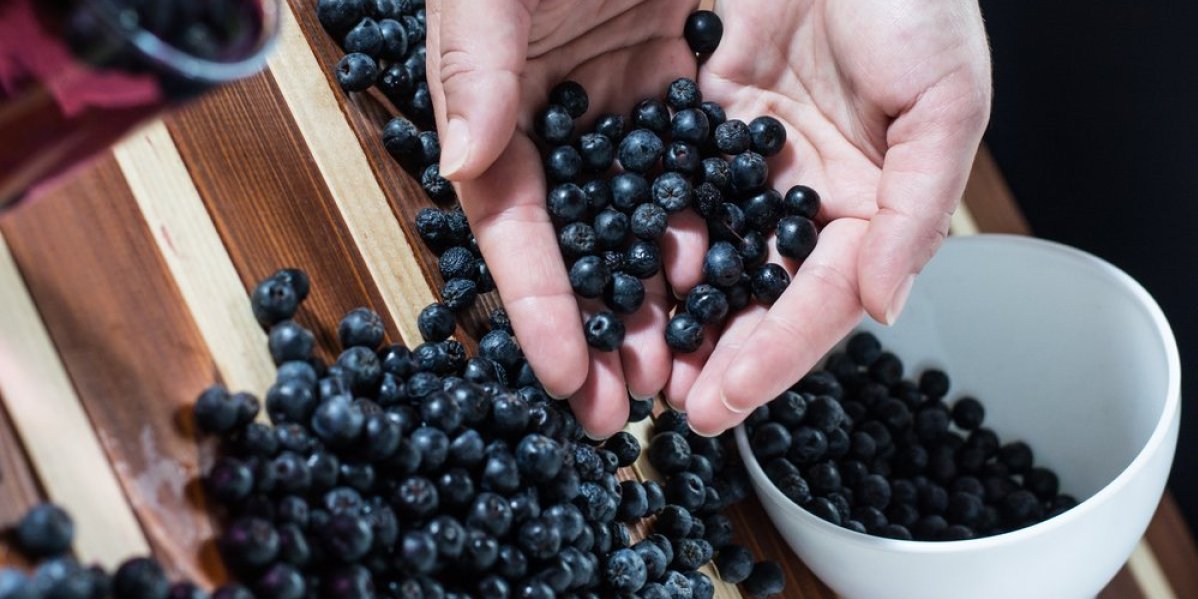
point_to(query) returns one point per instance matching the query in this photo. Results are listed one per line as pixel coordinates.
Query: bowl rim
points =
(1170, 412)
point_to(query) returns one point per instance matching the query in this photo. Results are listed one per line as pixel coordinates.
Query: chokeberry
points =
(703, 31)
(604, 331)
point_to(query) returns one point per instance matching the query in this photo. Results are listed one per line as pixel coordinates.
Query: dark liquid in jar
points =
(76, 74)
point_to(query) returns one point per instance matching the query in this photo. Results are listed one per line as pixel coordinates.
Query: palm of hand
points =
(881, 103)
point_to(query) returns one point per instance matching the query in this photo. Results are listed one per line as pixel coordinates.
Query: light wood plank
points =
(346, 170)
(196, 257)
(1148, 573)
(55, 429)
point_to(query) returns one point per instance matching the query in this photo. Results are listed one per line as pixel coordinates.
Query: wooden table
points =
(123, 294)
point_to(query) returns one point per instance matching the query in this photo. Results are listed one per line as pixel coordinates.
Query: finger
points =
(706, 414)
(820, 307)
(476, 52)
(601, 405)
(644, 356)
(924, 172)
(683, 248)
(686, 368)
(506, 210)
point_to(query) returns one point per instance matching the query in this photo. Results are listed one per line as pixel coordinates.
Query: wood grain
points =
(19, 488)
(1174, 547)
(135, 358)
(989, 199)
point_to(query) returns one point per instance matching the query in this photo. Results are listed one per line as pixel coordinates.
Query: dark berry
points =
(640, 150)
(598, 194)
(361, 326)
(1017, 456)
(611, 228)
(648, 222)
(571, 96)
(275, 299)
(554, 125)
(577, 239)
(732, 137)
(604, 331)
(437, 187)
(395, 39)
(690, 126)
(642, 259)
(338, 16)
(629, 190)
(683, 158)
(625, 293)
(808, 446)
(356, 72)
(1042, 482)
(633, 503)
(716, 173)
(459, 294)
(797, 237)
(669, 453)
(672, 192)
(366, 37)
(653, 115)
(589, 276)
(611, 126)
(768, 135)
(140, 578)
(215, 411)
(707, 304)
(722, 266)
(968, 413)
(45, 531)
(597, 152)
(563, 163)
(769, 282)
(703, 31)
(684, 333)
(748, 171)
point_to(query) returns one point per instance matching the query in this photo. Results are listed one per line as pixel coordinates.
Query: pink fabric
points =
(29, 52)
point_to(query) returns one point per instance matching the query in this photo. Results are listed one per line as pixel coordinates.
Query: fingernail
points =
(728, 404)
(456, 147)
(641, 397)
(899, 300)
(699, 432)
(554, 396)
(593, 437)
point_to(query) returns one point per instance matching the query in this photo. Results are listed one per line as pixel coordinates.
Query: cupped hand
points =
(884, 103)
(491, 64)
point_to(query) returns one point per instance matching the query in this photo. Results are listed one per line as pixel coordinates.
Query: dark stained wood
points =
(990, 200)
(19, 488)
(271, 204)
(128, 344)
(367, 113)
(1174, 547)
(1123, 586)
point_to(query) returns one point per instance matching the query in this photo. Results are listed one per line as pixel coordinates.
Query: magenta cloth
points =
(29, 52)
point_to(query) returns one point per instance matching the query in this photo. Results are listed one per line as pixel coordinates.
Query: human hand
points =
(491, 64)
(884, 103)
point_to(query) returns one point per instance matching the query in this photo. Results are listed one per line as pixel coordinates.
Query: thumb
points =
(924, 172)
(476, 51)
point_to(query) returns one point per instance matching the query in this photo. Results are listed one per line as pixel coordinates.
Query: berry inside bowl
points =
(1067, 353)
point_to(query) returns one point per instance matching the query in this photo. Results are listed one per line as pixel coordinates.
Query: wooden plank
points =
(989, 199)
(366, 113)
(40, 398)
(1147, 572)
(197, 259)
(1174, 548)
(136, 360)
(335, 148)
(19, 487)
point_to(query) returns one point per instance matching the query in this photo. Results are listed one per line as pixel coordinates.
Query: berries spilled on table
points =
(864, 448)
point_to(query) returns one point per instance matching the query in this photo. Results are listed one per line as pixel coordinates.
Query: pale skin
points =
(884, 103)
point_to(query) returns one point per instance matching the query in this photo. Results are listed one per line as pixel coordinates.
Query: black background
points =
(1095, 126)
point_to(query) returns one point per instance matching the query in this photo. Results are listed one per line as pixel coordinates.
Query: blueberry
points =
(629, 190)
(577, 239)
(633, 503)
(968, 413)
(598, 194)
(684, 333)
(653, 115)
(539, 539)
(672, 192)
(611, 228)
(401, 138)
(748, 171)
(722, 265)
(669, 453)
(640, 150)
(437, 187)
(571, 96)
(762, 210)
(769, 282)
(683, 158)
(360, 326)
(597, 152)
(624, 294)
(356, 72)
(732, 137)
(554, 125)
(690, 554)
(230, 480)
(275, 299)
(45, 531)
(649, 222)
(604, 331)
(215, 412)
(642, 259)
(611, 126)
(716, 172)
(563, 163)
(707, 304)
(797, 237)
(767, 134)
(703, 31)
(589, 276)
(338, 16)
(690, 125)
(735, 563)
(251, 542)
(337, 420)
(365, 37)
(459, 294)
(395, 40)
(625, 571)
(567, 203)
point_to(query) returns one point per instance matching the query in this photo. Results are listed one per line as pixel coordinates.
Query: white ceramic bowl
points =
(1067, 353)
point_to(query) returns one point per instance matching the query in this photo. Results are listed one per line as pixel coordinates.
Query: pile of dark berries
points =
(860, 446)
(613, 190)
(427, 473)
